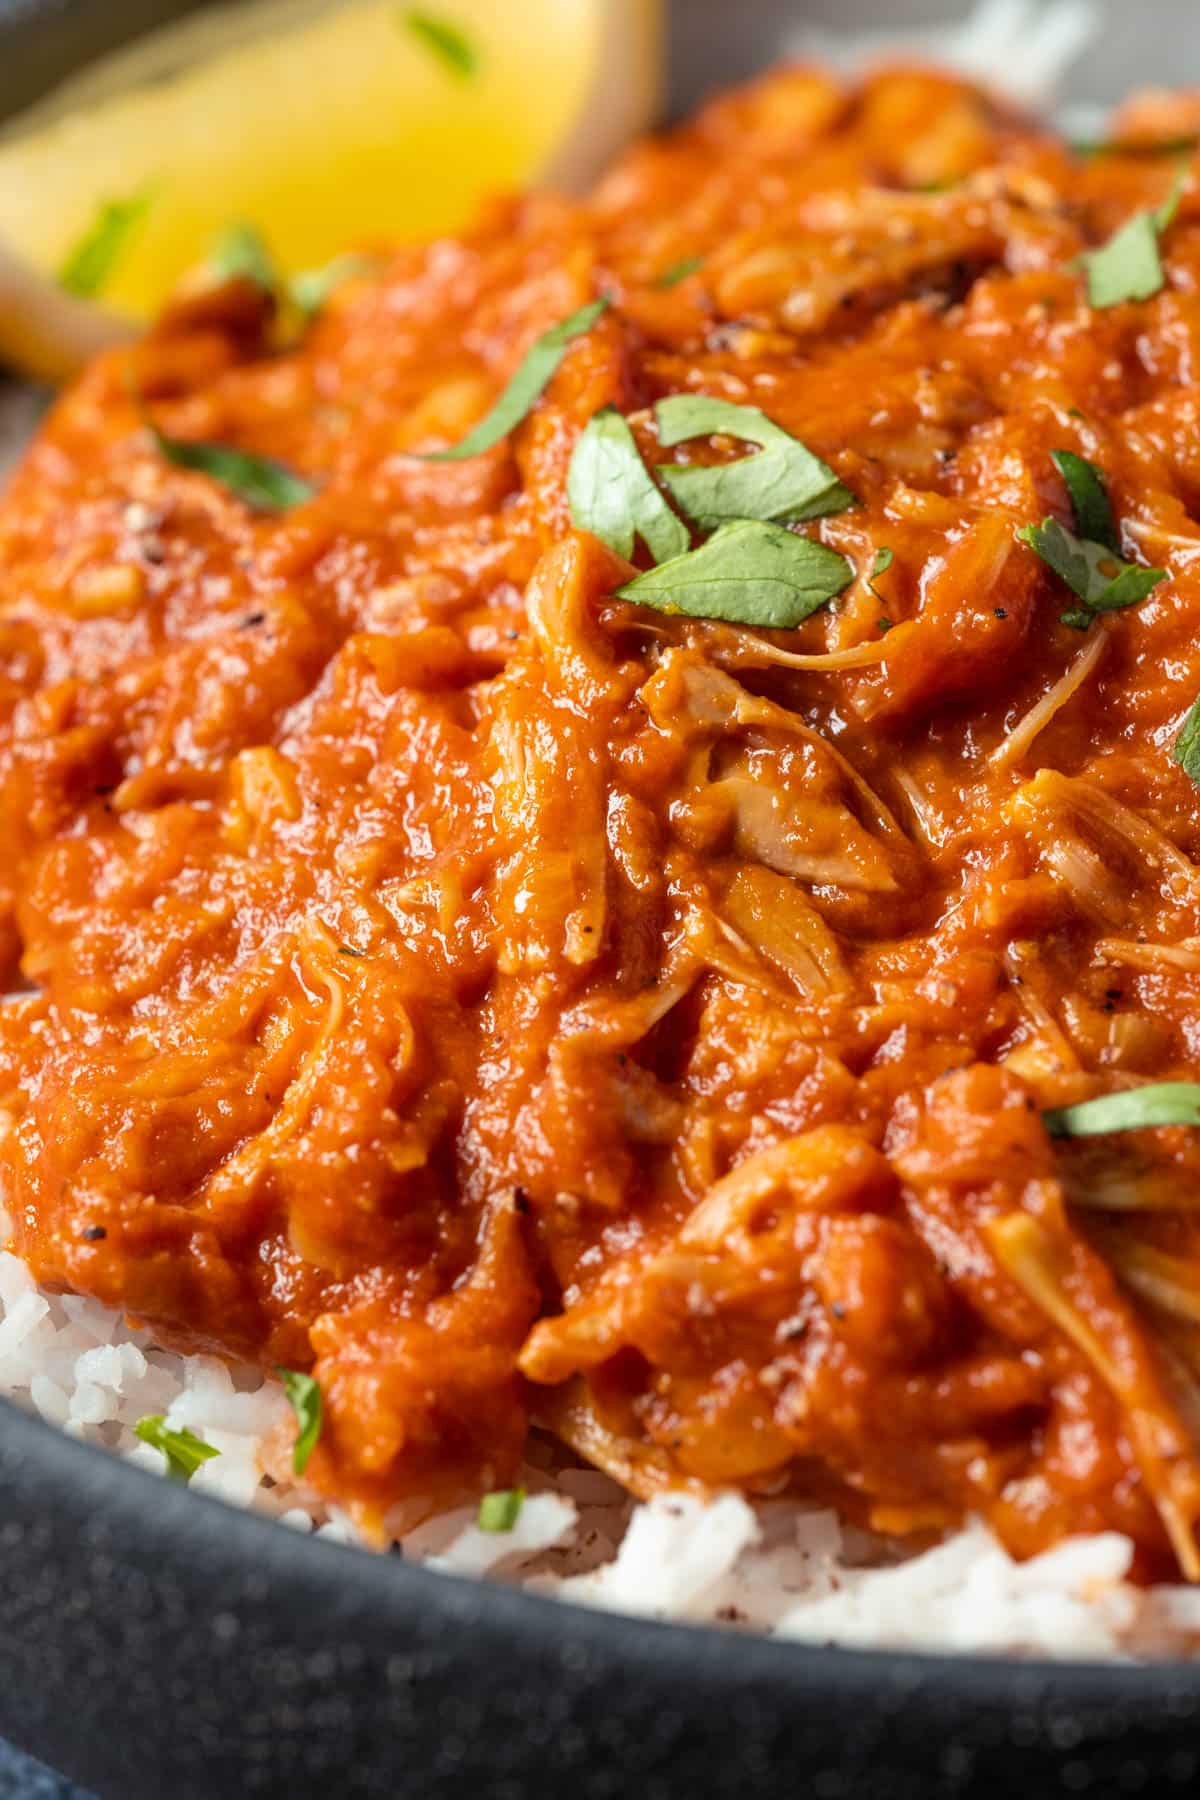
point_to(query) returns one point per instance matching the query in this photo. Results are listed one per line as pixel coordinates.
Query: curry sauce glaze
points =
(519, 1007)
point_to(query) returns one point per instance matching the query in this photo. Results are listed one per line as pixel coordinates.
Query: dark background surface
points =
(712, 41)
(23, 1779)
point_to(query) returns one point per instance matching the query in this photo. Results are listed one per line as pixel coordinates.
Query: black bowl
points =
(156, 1643)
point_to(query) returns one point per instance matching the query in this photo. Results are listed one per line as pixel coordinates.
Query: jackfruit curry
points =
(605, 835)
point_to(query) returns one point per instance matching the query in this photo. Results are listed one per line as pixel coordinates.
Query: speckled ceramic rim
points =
(158, 1643)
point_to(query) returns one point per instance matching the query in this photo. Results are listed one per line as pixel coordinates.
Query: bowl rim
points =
(91, 1476)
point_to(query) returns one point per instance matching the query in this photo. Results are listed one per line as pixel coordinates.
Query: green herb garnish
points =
(613, 495)
(447, 42)
(500, 1511)
(784, 482)
(309, 290)
(183, 1450)
(304, 1397)
(1088, 559)
(1162, 1103)
(1102, 581)
(525, 386)
(749, 573)
(1129, 266)
(240, 254)
(266, 485)
(1186, 750)
(883, 562)
(1176, 146)
(679, 271)
(91, 262)
(349, 950)
(1088, 494)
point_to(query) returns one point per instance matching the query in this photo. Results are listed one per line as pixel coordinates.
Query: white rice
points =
(1023, 48)
(778, 1567)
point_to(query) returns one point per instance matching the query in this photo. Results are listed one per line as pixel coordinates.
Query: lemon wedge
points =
(323, 125)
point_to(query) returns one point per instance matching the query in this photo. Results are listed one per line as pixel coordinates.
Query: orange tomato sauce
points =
(519, 1007)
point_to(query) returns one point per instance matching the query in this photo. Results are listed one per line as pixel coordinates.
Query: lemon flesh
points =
(326, 126)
